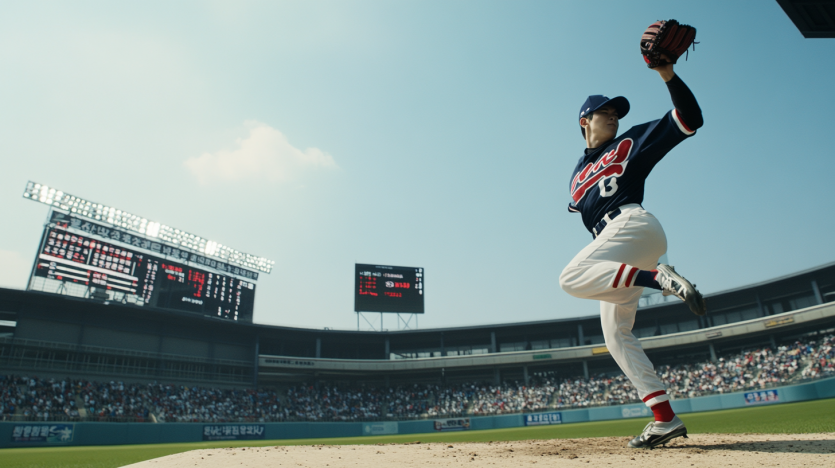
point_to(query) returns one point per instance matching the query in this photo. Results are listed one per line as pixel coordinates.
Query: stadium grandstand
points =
(64, 358)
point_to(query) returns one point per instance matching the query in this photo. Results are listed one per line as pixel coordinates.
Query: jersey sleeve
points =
(680, 123)
(655, 139)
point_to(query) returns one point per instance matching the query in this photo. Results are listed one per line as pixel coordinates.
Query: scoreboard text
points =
(155, 281)
(382, 288)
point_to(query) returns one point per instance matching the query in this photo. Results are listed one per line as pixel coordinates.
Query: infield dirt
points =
(700, 450)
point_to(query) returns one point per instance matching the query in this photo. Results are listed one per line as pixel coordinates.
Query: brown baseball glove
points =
(669, 38)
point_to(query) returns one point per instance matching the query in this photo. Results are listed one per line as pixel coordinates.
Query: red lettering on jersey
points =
(581, 176)
(610, 164)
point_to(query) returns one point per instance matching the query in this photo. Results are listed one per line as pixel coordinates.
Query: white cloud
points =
(265, 155)
(14, 269)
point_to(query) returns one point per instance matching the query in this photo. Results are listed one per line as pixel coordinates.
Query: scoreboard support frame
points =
(362, 314)
(407, 324)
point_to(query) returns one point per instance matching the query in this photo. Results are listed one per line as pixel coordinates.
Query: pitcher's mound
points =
(700, 450)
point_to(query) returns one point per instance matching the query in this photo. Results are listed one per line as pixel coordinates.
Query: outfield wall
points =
(93, 433)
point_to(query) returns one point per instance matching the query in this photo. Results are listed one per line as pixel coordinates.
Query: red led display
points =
(381, 288)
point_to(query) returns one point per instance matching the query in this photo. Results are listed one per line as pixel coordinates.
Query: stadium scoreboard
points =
(395, 289)
(155, 281)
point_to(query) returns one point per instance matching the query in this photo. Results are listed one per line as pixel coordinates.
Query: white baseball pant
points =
(604, 271)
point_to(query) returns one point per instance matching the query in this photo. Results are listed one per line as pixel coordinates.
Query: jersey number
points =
(611, 189)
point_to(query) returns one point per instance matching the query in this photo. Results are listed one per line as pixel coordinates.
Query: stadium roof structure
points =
(65, 334)
(814, 18)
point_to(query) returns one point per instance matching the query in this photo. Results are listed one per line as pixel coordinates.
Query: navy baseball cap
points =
(598, 100)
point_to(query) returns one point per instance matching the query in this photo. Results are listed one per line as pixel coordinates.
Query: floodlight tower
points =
(78, 206)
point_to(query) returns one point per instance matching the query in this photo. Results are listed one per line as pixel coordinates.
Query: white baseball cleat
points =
(658, 433)
(674, 284)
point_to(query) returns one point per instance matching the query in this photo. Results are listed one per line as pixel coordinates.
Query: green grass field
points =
(805, 417)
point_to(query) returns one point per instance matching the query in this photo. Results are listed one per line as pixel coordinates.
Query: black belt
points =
(598, 228)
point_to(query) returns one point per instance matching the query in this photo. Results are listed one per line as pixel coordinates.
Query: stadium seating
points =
(35, 399)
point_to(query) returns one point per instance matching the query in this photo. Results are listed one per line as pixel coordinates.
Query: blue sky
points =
(438, 134)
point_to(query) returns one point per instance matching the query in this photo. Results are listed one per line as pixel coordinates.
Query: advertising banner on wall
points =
(380, 428)
(460, 424)
(233, 432)
(762, 396)
(543, 419)
(635, 411)
(43, 433)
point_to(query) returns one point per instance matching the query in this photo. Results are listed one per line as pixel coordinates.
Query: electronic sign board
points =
(381, 288)
(120, 235)
(154, 281)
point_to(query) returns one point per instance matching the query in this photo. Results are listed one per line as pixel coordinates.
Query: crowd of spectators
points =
(330, 403)
(822, 358)
(580, 392)
(31, 398)
(450, 401)
(512, 397)
(749, 370)
(36, 399)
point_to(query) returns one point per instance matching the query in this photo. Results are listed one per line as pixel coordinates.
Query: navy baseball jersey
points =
(613, 174)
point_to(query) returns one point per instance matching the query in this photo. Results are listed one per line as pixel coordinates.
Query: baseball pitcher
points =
(607, 189)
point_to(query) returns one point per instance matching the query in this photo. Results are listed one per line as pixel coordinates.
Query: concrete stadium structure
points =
(61, 336)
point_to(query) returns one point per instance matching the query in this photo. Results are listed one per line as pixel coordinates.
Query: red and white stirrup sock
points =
(624, 276)
(659, 403)
(628, 275)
